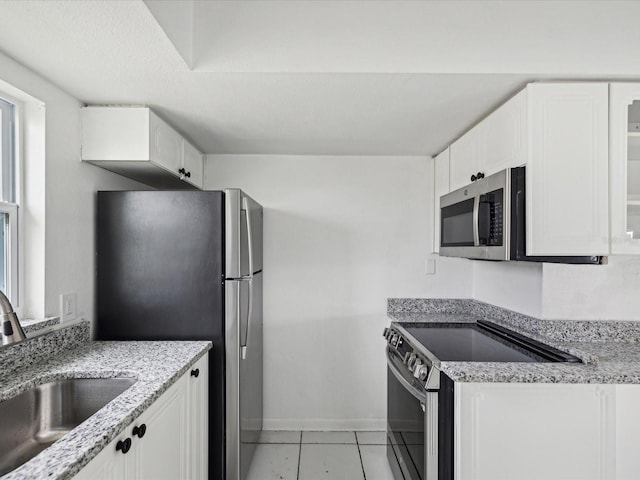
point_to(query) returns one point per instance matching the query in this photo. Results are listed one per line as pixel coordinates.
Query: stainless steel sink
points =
(36, 418)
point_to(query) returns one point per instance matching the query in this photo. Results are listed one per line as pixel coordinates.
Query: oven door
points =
(407, 402)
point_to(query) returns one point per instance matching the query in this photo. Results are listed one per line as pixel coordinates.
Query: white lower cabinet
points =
(546, 431)
(162, 453)
(167, 441)
(109, 464)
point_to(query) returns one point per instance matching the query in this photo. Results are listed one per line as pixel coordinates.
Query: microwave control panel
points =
(491, 218)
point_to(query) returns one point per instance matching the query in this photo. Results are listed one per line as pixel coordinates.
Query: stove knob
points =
(406, 358)
(411, 361)
(416, 366)
(421, 373)
(400, 341)
(394, 339)
(385, 334)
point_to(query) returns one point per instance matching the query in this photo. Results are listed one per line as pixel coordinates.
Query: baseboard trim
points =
(326, 425)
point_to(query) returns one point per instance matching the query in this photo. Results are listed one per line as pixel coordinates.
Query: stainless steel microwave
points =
(486, 220)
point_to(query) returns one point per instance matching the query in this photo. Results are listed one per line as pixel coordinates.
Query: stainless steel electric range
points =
(420, 397)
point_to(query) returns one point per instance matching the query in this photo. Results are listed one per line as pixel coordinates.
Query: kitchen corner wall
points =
(60, 197)
(342, 233)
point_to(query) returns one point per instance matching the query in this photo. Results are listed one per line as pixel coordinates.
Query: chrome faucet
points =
(10, 327)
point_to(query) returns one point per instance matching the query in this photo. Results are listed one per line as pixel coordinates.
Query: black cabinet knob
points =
(188, 174)
(195, 373)
(140, 431)
(480, 175)
(473, 178)
(125, 445)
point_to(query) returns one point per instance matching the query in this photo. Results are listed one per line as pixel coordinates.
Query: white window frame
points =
(11, 209)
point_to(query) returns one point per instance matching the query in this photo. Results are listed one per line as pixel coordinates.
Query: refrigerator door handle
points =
(247, 217)
(245, 342)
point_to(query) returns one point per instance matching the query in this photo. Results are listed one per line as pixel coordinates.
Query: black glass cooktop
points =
(482, 342)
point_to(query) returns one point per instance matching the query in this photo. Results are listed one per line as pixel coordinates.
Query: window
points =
(8, 202)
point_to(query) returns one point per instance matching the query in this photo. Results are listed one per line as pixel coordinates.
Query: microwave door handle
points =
(476, 220)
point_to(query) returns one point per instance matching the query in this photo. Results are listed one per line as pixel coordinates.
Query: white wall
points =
(60, 247)
(588, 292)
(566, 292)
(341, 235)
(514, 285)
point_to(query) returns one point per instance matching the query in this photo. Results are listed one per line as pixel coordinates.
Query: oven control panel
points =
(413, 361)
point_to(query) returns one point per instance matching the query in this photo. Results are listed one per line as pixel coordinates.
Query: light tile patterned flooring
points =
(321, 455)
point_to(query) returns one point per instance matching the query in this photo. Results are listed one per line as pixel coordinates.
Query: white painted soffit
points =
(506, 37)
(176, 19)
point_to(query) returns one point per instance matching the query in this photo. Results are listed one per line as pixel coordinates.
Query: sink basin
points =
(36, 418)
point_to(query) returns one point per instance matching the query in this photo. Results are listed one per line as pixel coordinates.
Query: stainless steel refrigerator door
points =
(243, 235)
(244, 375)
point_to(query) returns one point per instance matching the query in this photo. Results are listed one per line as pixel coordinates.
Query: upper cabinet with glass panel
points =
(624, 168)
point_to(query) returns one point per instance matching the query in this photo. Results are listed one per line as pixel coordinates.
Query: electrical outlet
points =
(430, 266)
(68, 306)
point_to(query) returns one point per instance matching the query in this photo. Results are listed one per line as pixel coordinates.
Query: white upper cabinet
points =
(567, 169)
(505, 136)
(192, 164)
(441, 187)
(624, 167)
(497, 142)
(136, 143)
(165, 147)
(560, 132)
(466, 158)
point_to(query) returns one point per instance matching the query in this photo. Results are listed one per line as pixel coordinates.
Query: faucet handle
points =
(12, 331)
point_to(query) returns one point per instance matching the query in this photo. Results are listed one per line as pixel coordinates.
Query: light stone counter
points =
(610, 350)
(67, 353)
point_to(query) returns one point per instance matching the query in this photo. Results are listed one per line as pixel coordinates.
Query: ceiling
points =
(318, 77)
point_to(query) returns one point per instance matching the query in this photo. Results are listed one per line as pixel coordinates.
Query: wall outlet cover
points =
(68, 306)
(430, 266)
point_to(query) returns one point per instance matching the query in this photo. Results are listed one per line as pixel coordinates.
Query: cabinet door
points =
(535, 431)
(465, 156)
(119, 134)
(627, 431)
(624, 167)
(192, 163)
(505, 136)
(162, 453)
(165, 145)
(198, 432)
(109, 464)
(567, 169)
(440, 187)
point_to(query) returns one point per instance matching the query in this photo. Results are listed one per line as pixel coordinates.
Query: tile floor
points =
(321, 455)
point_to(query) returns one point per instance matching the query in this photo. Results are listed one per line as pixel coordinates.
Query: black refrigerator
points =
(187, 265)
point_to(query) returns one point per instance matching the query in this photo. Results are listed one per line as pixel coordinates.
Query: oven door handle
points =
(403, 381)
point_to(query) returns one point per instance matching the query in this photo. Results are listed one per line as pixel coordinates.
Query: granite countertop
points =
(607, 358)
(156, 365)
